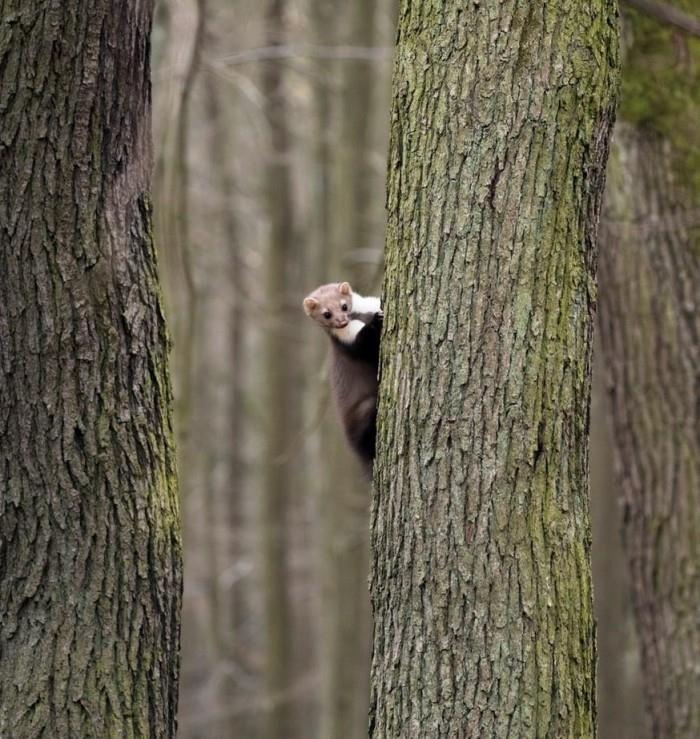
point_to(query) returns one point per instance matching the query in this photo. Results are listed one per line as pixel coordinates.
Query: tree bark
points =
(649, 277)
(90, 567)
(481, 585)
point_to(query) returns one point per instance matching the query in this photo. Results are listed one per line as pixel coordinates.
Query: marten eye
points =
(327, 314)
(344, 306)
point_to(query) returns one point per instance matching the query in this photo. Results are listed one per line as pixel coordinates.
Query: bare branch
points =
(667, 14)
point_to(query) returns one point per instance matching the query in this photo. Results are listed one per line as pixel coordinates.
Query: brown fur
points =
(354, 388)
(354, 365)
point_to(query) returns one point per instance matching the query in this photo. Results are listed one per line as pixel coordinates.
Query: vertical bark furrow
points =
(89, 525)
(480, 527)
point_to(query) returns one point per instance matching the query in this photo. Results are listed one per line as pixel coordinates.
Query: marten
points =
(354, 325)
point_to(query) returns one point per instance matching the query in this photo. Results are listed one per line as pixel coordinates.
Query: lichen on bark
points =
(90, 570)
(480, 531)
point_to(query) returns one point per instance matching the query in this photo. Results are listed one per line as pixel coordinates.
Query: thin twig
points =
(667, 14)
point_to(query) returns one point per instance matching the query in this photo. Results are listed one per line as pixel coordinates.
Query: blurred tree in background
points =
(649, 287)
(271, 128)
(285, 109)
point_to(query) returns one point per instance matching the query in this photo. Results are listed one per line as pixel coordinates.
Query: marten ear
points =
(309, 305)
(345, 288)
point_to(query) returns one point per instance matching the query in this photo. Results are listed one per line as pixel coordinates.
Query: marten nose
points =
(342, 323)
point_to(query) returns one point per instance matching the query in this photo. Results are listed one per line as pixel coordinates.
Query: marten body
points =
(354, 325)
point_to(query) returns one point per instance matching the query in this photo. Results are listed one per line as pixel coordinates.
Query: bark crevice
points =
(89, 520)
(481, 537)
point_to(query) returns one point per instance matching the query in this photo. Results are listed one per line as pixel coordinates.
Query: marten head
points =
(330, 305)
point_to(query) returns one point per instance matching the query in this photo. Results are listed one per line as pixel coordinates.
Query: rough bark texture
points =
(650, 272)
(90, 570)
(481, 583)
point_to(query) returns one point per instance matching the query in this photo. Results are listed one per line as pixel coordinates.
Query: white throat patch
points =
(348, 334)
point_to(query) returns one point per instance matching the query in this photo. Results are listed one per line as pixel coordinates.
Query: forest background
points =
(271, 125)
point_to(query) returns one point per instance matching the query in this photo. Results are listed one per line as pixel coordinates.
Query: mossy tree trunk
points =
(481, 584)
(649, 278)
(90, 569)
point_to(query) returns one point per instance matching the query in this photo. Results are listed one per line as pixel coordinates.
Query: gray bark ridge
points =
(481, 584)
(90, 554)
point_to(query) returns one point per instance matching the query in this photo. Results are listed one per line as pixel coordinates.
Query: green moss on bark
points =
(481, 576)
(90, 554)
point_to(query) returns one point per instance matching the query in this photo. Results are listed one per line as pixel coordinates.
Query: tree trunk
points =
(353, 181)
(481, 584)
(649, 277)
(178, 198)
(90, 569)
(650, 272)
(621, 712)
(278, 485)
(234, 600)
